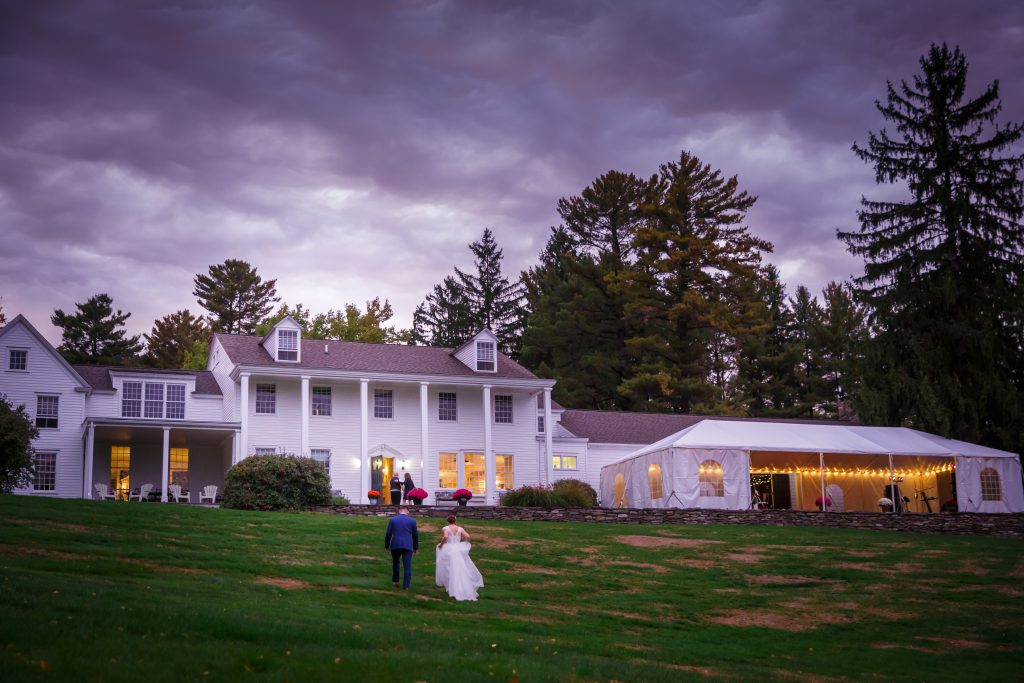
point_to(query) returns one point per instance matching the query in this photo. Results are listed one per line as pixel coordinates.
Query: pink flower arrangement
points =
(462, 493)
(417, 494)
(828, 502)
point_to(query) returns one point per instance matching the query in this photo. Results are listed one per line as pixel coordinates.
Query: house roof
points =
(606, 426)
(359, 356)
(98, 376)
(23, 321)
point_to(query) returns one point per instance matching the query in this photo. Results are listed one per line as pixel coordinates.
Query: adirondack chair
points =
(103, 492)
(209, 493)
(143, 493)
(176, 493)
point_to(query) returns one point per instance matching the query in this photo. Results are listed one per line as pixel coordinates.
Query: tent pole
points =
(891, 489)
(821, 465)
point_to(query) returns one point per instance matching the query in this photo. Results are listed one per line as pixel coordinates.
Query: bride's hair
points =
(451, 519)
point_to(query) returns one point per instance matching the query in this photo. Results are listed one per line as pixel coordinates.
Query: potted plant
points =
(462, 496)
(828, 502)
(885, 504)
(374, 496)
(417, 496)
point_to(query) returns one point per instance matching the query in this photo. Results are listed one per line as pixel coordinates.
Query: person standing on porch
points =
(407, 485)
(395, 485)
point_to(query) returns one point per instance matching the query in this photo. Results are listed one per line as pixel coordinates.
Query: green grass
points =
(116, 591)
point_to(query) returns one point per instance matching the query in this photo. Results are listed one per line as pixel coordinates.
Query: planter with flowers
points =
(828, 502)
(374, 496)
(462, 496)
(417, 496)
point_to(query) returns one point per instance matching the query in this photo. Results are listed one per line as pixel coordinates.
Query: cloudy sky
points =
(355, 152)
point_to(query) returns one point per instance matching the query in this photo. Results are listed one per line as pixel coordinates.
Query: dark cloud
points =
(353, 151)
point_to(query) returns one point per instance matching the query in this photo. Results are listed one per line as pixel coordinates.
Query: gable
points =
(467, 354)
(41, 357)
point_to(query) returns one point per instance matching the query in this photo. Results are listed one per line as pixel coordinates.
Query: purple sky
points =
(353, 154)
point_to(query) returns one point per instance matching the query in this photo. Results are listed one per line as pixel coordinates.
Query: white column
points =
(90, 447)
(166, 471)
(549, 429)
(243, 448)
(364, 439)
(821, 470)
(424, 442)
(304, 441)
(236, 446)
(488, 447)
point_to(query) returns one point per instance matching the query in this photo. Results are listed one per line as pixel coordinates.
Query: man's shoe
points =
(395, 584)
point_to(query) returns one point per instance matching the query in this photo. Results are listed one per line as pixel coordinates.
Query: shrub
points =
(531, 496)
(338, 499)
(276, 482)
(16, 434)
(575, 493)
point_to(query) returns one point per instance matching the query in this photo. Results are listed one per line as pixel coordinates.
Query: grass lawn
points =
(147, 592)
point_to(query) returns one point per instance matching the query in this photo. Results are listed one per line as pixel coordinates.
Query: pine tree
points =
(444, 318)
(839, 336)
(93, 335)
(807, 317)
(942, 279)
(173, 338)
(236, 296)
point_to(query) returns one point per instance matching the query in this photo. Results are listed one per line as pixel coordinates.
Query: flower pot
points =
(374, 501)
(462, 501)
(417, 501)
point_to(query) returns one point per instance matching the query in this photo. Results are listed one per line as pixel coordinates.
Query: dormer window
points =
(485, 357)
(288, 345)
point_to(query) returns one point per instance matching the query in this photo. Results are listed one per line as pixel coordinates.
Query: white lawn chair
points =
(103, 492)
(209, 493)
(143, 493)
(176, 493)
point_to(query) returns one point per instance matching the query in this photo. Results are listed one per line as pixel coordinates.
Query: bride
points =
(455, 571)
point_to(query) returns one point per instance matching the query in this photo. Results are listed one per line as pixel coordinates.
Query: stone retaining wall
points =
(1008, 526)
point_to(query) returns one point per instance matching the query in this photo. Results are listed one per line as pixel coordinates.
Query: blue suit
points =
(401, 538)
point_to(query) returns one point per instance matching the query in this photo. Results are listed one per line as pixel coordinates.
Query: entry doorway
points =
(120, 471)
(381, 470)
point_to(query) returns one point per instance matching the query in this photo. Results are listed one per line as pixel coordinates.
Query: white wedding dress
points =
(455, 570)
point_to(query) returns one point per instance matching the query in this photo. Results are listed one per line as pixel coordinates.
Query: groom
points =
(403, 540)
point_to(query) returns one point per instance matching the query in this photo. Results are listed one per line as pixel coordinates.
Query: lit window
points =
(990, 485)
(131, 399)
(564, 462)
(383, 404)
(44, 471)
(710, 476)
(287, 344)
(175, 401)
(154, 404)
(120, 470)
(503, 472)
(321, 404)
(476, 473)
(654, 479)
(621, 499)
(447, 471)
(264, 450)
(485, 356)
(179, 467)
(540, 424)
(47, 408)
(503, 409)
(322, 456)
(266, 399)
(18, 360)
(447, 406)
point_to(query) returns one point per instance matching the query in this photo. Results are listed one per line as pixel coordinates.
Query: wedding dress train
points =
(455, 570)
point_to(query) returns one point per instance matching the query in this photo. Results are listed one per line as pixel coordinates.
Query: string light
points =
(856, 472)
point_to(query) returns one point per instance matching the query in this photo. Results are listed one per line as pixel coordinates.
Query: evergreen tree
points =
(943, 270)
(839, 337)
(197, 357)
(93, 335)
(16, 435)
(444, 318)
(807, 321)
(236, 296)
(173, 338)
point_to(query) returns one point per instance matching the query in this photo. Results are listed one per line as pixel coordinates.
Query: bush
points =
(276, 482)
(16, 434)
(531, 497)
(575, 493)
(339, 499)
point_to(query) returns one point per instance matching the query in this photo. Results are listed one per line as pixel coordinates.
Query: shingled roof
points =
(606, 426)
(98, 377)
(359, 356)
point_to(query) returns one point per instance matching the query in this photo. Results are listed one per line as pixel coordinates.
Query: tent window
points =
(710, 474)
(620, 491)
(654, 479)
(990, 487)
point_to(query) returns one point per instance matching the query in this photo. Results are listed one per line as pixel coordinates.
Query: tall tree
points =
(347, 324)
(838, 336)
(173, 338)
(95, 334)
(236, 296)
(16, 435)
(942, 279)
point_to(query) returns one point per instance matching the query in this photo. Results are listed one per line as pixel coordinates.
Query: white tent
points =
(709, 465)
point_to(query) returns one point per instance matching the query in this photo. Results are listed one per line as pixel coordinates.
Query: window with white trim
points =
(654, 480)
(265, 450)
(503, 409)
(540, 424)
(153, 400)
(503, 474)
(179, 467)
(485, 356)
(47, 410)
(131, 399)
(17, 359)
(322, 456)
(44, 471)
(266, 399)
(991, 488)
(383, 404)
(288, 345)
(564, 462)
(709, 474)
(447, 406)
(175, 402)
(447, 471)
(320, 405)
(154, 403)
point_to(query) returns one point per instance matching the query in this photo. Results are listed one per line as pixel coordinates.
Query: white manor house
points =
(468, 417)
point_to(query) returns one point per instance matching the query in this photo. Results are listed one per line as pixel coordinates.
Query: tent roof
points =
(816, 438)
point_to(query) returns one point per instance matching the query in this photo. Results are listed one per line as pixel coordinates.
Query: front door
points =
(381, 469)
(120, 471)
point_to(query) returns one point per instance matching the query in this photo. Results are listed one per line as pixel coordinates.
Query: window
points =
(621, 500)
(476, 474)
(447, 406)
(540, 424)
(710, 476)
(990, 486)
(383, 404)
(322, 456)
(654, 479)
(154, 405)
(447, 471)
(503, 472)
(265, 450)
(44, 475)
(47, 408)
(502, 409)
(18, 360)
(266, 399)
(485, 356)
(120, 470)
(179, 467)
(321, 405)
(564, 462)
(175, 401)
(288, 345)
(131, 399)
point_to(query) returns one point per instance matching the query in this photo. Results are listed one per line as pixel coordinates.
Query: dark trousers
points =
(405, 556)
(396, 496)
